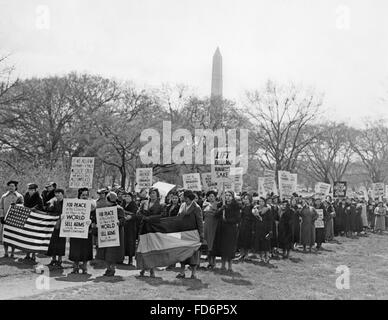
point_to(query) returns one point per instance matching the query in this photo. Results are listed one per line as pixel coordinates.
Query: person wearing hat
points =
(285, 228)
(130, 226)
(112, 255)
(11, 197)
(57, 247)
(380, 213)
(210, 225)
(262, 230)
(275, 208)
(191, 210)
(32, 200)
(246, 226)
(48, 194)
(82, 249)
(149, 208)
(320, 232)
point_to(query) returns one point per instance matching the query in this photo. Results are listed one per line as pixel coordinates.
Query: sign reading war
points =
(76, 218)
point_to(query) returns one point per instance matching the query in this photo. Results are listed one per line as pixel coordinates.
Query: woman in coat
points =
(190, 209)
(130, 226)
(113, 255)
(329, 222)
(275, 208)
(246, 226)
(227, 230)
(308, 215)
(210, 225)
(320, 232)
(32, 200)
(82, 249)
(262, 230)
(150, 208)
(295, 223)
(380, 213)
(57, 245)
(286, 216)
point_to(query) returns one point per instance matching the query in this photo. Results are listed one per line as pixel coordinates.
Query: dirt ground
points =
(304, 276)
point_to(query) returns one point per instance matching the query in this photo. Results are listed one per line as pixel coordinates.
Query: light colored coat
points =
(6, 200)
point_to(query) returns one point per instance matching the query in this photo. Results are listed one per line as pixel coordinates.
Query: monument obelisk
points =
(216, 90)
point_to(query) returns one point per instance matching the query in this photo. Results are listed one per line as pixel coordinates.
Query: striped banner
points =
(165, 241)
(27, 230)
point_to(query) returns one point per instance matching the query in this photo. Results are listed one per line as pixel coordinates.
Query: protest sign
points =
(76, 218)
(237, 177)
(363, 191)
(207, 182)
(108, 229)
(192, 181)
(261, 189)
(222, 160)
(143, 178)
(339, 189)
(81, 175)
(322, 188)
(164, 188)
(287, 184)
(319, 222)
(270, 182)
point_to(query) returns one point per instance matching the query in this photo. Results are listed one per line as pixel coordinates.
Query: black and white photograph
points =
(192, 150)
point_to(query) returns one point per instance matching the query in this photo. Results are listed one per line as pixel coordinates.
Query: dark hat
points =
(32, 186)
(285, 201)
(189, 194)
(13, 182)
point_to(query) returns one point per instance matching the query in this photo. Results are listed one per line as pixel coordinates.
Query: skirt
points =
(81, 249)
(57, 245)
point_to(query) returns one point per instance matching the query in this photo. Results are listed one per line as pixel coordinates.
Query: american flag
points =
(27, 230)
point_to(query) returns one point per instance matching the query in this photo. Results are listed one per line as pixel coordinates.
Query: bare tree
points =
(281, 117)
(371, 146)
(327, 158)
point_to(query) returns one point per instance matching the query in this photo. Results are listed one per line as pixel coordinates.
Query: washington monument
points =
(216, 91)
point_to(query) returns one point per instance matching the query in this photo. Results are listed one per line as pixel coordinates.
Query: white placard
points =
(108, 229)
(81, 175)
(192, 181)
(322, 188)
(76, 215)
(143, 178)
(222, 160)
(207, 182)
(319, 223)
(237, 177)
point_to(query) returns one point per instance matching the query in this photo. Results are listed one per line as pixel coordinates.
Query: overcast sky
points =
(339, 47)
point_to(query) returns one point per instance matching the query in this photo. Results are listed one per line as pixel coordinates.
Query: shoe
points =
(52, 263)
(142, 273)
(75, 271)
(181, 276)
(152, 274)
(193, 277)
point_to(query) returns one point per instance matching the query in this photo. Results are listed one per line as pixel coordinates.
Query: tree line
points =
(44, 122)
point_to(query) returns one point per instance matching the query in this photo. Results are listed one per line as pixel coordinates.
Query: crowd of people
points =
(232, 227)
